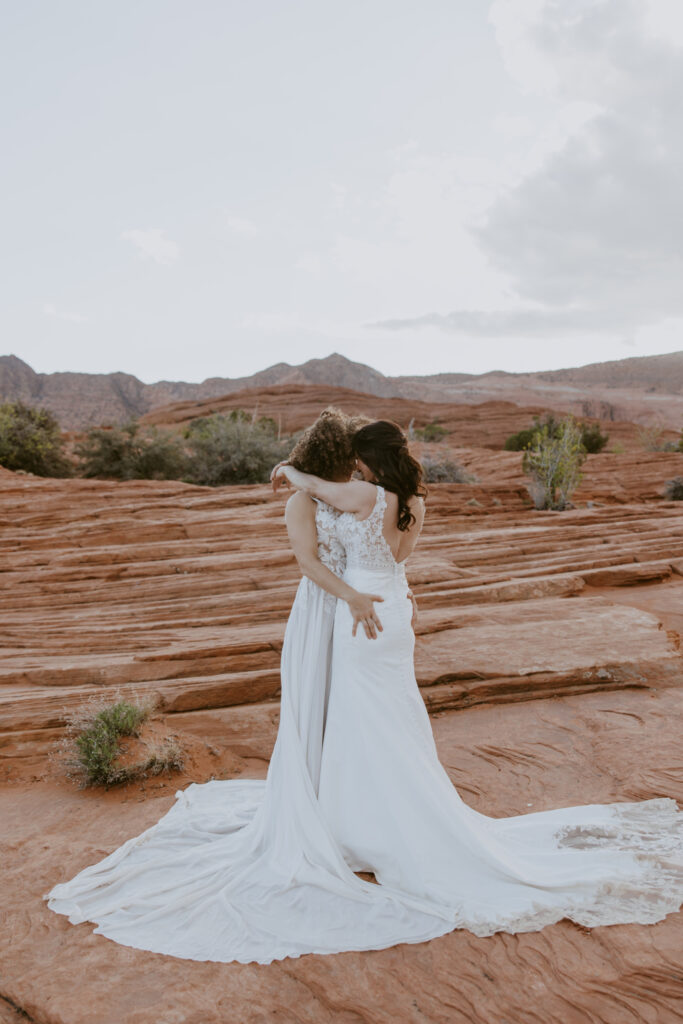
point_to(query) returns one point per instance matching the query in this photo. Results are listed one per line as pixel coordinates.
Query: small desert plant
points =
(592, 438)
(430, 432)
(30, 440)
(128, 453)
(233, 449)
(650, 438)
(445, 471)
(553, 461)
(673, 489)
(90, 751)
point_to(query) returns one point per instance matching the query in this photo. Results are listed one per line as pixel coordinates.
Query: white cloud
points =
(153, 244)
(51, 310)
(593, 238)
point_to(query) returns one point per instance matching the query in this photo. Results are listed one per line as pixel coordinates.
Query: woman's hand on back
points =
(363, 611)
(411, 598)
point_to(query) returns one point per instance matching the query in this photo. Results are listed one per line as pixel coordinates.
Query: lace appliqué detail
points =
(651, 832)
(364, 540)
(330, 549)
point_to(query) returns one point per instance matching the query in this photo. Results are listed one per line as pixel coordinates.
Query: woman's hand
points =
(411, 597)
(363, 610)
(277, 477)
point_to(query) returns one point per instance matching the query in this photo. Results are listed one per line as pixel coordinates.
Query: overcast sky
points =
(203, 189)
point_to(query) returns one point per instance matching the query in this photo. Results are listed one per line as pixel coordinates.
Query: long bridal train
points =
(257, 871)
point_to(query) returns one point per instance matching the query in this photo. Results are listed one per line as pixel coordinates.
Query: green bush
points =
(673, 489)
(553, 460)
(445, 471)
(90, 752)
(592, 438)
(431, 432)
(30, 440)
(233, 449)
(127, 453)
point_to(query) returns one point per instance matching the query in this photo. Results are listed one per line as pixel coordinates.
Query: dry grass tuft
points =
(93, 752)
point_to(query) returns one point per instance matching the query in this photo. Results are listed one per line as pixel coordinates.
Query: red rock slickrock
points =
(547, 653)
(486, 425)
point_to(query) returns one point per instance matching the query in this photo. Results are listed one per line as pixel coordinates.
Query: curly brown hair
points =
(324, 449)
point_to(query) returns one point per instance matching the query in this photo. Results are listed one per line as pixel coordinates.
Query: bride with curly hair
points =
(245, 869)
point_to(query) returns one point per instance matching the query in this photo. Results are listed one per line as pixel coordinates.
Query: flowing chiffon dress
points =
(393, 810)
(247, 870)
(261, 870)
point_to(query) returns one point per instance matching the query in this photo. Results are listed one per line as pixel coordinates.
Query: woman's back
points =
(376, 541)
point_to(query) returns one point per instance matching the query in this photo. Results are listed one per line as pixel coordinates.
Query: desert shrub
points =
(592, 438)
(129, 453)
(30, 440)
(650, 438)
(233, 449)
(445, 471)
(430, 432)
(673, 489)
(553, 462)
(521, 440)
(90, 751)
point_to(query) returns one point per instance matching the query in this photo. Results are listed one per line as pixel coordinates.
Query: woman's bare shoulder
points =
(300, 506)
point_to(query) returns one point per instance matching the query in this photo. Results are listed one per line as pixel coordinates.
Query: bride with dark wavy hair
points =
(388, 801)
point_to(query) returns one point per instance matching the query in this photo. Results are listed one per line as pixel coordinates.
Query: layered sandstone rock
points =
(547, 652)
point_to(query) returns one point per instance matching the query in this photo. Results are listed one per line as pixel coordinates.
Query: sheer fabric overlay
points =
(247, 870)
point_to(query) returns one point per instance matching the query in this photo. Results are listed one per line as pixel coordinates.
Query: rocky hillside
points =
(646, 390)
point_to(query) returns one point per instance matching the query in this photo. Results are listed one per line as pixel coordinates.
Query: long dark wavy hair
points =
(383, 447)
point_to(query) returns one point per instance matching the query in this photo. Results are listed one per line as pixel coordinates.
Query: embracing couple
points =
(253, 870)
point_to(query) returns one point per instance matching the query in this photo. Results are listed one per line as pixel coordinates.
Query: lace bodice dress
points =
(330, 547)
(363, 540)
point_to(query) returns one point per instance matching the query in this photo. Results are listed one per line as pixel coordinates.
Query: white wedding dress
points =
(394, 811)
(258, 871)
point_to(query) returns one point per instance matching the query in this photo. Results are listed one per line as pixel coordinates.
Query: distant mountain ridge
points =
(644, 389)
